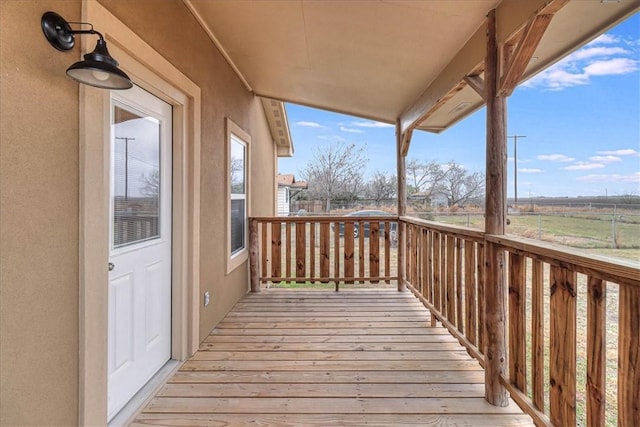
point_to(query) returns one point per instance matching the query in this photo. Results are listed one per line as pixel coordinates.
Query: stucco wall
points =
(38, 220)
(39, 193)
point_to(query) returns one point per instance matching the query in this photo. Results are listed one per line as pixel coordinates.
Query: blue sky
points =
(581, 119)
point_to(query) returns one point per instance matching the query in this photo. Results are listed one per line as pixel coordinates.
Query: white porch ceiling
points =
(376, 58)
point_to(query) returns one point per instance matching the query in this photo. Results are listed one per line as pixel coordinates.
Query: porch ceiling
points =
(380, 59)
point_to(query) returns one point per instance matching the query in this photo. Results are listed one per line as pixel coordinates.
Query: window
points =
(238, 194)
(237, 187)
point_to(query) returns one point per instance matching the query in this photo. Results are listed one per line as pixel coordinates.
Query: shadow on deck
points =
(357, 357)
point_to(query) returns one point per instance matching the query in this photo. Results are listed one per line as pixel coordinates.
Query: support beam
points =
(523, 53)
(402, 205)
(476, 83)
(495, 207)
(514, 15)
(405, 141)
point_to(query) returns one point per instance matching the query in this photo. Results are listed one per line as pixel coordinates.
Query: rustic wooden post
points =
(254, 255)
(402, 206)
(495, 212)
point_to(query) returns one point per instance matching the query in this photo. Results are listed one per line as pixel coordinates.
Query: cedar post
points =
(402, 206)
(495, 213)
(254, 256)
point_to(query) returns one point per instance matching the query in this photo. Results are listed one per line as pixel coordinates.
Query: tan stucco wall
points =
(39, 193)
(38, 220)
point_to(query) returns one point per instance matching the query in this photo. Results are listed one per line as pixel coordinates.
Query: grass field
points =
(592, 233)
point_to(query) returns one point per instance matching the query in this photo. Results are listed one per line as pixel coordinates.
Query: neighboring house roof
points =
(416, 62)
(289, 180)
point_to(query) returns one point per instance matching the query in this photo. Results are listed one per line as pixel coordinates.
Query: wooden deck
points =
(357, 357)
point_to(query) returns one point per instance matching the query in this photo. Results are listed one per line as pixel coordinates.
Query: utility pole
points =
(126, 165)
(515, 165)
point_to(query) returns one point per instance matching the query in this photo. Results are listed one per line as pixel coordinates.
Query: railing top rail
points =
(324, 218)
(451, 229)
(615, 270)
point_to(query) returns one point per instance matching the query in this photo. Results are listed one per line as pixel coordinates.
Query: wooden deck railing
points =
(558, 298)
(562, 304)
(323, 249)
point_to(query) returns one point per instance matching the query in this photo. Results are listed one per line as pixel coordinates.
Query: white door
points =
(140, 248)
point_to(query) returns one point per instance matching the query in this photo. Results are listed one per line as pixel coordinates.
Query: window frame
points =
(235, 133)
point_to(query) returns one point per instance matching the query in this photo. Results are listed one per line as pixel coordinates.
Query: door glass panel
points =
(136, 177)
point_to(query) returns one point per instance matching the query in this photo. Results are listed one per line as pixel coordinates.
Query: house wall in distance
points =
(39, 192)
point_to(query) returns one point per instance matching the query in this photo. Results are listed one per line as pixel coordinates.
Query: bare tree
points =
(151, 184)
(335, 171)
(381, 187)
(459, 186)
(424, 177)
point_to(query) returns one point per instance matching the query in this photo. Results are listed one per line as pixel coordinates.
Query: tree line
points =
(336, 172)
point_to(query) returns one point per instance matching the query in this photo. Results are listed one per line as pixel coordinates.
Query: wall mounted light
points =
(98, 68)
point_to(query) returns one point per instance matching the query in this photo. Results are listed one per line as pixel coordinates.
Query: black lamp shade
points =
(99, 69)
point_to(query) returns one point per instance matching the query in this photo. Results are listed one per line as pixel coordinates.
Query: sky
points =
(580, 118)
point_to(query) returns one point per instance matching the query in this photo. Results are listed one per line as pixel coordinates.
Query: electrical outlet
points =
(207, 298)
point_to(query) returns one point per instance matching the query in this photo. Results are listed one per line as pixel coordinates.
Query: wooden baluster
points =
(629, 356)
(312, 252)
(459, 307)
(414, 255)
(336, 255)
(481, 281)
(361, 262)
(374, 250)
(470, 290)
(451, 291)
(562, 366)
(537, 333)
(596, 351)
(387, 250)
(276, 249)
(425, 265)
(287, 255)
(517, 319)
(431, 263)
(301, 251)
(348, 251)
(437, 294)
(265, 255)
(254, 256)
(325, 250)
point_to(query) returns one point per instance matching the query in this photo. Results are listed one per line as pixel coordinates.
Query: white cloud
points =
(613, 178)
(332, 138)
(621, 152)
(530, 170)
(613, 66)
(591, 52)
(350, 130)
(605, 56)
(605, 159)
(309, 124)
(555, 158)
(371, 124)
(583, 166)
(604, 39)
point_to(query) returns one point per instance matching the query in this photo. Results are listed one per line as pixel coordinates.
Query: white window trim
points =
(240, 257)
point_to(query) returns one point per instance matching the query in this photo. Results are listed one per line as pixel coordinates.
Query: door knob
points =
(111, 266)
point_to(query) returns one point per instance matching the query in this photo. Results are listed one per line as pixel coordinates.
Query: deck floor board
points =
(361, 357)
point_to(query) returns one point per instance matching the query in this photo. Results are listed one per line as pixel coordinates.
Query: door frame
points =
(149, 70)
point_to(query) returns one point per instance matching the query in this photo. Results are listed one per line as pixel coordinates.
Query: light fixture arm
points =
(99, 68)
